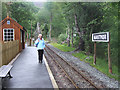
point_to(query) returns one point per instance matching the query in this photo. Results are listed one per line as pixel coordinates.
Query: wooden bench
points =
(5, 71)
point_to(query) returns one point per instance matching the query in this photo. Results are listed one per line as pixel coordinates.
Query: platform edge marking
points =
(51, 75)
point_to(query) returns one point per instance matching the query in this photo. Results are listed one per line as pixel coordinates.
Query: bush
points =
(62, 38)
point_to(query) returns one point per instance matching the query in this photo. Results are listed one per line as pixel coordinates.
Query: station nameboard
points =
(100, 37)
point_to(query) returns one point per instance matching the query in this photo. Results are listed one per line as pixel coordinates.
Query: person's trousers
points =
(40, 55)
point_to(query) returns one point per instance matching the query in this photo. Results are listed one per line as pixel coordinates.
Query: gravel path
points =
(93, 72)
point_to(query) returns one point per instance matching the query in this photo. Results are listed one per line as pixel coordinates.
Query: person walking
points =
(40, 44)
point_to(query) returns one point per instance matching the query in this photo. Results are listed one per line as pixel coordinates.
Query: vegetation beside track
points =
(63, 47)
(101, 64)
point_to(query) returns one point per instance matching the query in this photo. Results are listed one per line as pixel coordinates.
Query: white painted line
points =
(14, 59)
(51, 75)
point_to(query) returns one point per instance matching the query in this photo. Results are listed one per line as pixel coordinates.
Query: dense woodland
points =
(73, 22)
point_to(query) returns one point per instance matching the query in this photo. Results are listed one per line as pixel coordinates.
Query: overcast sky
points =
(61, 0)
(39, 4)
(74, 0)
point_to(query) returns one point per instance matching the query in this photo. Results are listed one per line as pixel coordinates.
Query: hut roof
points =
(13, 21)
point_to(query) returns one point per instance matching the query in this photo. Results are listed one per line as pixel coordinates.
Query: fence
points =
(8, 50)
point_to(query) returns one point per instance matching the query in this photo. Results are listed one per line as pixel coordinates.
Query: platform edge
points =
(51, 75)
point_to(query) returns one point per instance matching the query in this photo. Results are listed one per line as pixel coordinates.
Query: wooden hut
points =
(10, 30)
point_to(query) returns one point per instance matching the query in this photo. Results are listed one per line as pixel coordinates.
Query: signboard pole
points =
(102, 37)
(94, 53)
(109, 60)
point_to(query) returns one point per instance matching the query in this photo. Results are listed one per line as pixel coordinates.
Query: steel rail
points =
(96, 87)
(62, 69)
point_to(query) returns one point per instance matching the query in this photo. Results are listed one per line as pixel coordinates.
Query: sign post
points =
(102, 37)
(109, 60)
(94, 53)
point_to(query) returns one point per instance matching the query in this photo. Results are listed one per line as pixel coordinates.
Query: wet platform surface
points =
(27, 72)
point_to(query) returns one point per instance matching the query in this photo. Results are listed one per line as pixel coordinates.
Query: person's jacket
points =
(40, 43)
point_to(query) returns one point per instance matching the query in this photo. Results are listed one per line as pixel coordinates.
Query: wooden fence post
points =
(109, 60)
(94, 53)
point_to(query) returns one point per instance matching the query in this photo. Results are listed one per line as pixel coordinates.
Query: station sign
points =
(100, 37)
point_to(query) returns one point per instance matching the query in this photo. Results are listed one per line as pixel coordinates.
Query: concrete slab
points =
(27, 72)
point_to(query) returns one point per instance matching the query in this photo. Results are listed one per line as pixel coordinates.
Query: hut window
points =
(8, 34)
(8, 22)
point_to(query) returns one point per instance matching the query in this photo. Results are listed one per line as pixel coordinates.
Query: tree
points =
(49, 6)
(24, 14)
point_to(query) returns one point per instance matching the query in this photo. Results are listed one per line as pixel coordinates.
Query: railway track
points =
(75, 77)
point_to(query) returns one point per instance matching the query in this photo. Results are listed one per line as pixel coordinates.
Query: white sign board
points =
(100, 37)
(74, 35)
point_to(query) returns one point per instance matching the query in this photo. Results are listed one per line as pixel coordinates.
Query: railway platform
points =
(27, 72)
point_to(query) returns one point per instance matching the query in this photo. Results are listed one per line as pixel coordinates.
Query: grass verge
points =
(62, 47)
(101, 64)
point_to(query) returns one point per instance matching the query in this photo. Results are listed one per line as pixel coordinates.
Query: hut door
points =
(23, 40)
